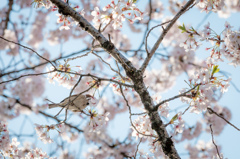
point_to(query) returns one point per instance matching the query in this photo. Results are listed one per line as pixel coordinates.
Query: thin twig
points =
(108, 65)
(137, 148)
(169, 26)
(150, 32)
(36, 74)
(139, 113)
(41, 64)
(28, 49)
(212, 111)
(45, 114)
(214, 142)
(177, 96)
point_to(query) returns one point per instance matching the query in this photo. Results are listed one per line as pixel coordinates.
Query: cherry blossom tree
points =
(106, 71)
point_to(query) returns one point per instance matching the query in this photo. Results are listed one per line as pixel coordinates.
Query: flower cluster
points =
(42, 3)
(66, 155)
(158, 80)
(224, 8)
(93, 83)
(37, 153)
(142, 126)
(209, 35)
(226, 44)
(118, 14)
(43, 131)
(216, 122)
(97, 121)
(11, 149)
(142, 129)
(191, 132)
(116, 87)
(93, 101)
(178, 61)
(7, 110)
(202, 150)
(64, 132)
(144, 155)
(11, 48)
(4, 135)
(28, 88)
(179, 125)
(190, 43)
(202, 96)
(155, 148)
(61, 18)
(229, 42)
(211, 5)
(8, 149)
(36, 36)
(63, 75)
(232, 48)
(157, 9)
(164, 109)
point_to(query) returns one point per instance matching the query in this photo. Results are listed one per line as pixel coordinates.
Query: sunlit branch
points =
(165, 31)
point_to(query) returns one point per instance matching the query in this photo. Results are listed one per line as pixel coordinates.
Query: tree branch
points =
(158, 42)
(28, 49)
(65, 9)
(214, 142)
(10, 4)
(212, 111)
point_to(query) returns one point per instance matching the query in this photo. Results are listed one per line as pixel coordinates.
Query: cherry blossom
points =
(202, 150)
(120, 12)
(43, 131)
(97, 121)
(143, 70)
(63, 77)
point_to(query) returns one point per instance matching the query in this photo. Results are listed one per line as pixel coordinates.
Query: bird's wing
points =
(67, 98)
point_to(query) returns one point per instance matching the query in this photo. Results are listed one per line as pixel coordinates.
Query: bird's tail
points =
(52, 106)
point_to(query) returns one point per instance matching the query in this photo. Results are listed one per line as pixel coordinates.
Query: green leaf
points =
(174, 118)
(192, 29)
(215, 69)
(134, 1)
(183, 28)
(198, 88)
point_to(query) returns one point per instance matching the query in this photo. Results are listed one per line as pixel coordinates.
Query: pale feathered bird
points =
(75, 105)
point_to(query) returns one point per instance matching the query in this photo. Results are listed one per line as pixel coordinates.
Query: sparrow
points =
(77, 102)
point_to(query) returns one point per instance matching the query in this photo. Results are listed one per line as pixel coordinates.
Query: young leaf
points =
(174, 118)
(183, 28)
(215, 69)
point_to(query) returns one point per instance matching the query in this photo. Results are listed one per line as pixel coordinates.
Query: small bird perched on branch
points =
(77, 102)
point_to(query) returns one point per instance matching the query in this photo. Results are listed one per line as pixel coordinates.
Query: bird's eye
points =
(87, 103)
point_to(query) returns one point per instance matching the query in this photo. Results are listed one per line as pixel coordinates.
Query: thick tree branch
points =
(157, 123)
(66, 10)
